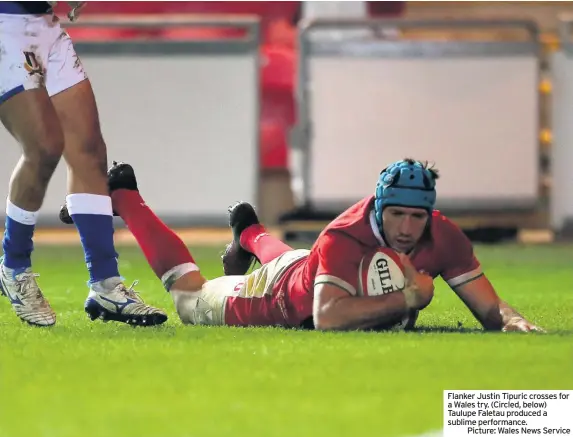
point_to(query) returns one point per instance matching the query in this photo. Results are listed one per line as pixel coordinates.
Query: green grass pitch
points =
(90, 379)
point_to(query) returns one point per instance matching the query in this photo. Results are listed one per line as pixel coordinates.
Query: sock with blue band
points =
(17, 243)
(93, 217)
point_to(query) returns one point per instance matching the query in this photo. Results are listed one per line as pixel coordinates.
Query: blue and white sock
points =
(17, 243)
(93, 217)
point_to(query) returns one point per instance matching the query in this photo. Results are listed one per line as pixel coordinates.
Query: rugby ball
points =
(381, 272)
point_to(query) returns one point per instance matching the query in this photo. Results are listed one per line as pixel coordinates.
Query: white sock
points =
(21, 215)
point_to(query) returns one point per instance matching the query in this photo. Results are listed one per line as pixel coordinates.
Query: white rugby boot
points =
(23, 292)
(112, 300)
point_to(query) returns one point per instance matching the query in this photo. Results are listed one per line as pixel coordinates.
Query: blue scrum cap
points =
(405, 183)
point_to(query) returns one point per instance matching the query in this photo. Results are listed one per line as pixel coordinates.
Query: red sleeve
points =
(338, 262)
(460, 264)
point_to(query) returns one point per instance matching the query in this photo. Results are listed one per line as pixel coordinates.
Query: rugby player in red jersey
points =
(279, 293)
(318, 287)
(399, 215)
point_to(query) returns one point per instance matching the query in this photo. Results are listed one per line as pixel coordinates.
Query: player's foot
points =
(112, 300)
(23, 292)
(236, 260)
(65, 216)
(119, 175)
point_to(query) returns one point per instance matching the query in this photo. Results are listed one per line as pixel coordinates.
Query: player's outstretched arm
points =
(492, 312)
(335, 310)
(464, 274)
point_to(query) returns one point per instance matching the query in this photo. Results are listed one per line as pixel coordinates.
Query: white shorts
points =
(36, 52)
(209, 306)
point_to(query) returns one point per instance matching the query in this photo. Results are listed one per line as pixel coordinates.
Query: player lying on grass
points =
(279, 293)
(400, 215)
(293, 287)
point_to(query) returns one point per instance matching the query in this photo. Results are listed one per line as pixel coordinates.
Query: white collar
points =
(376, 229)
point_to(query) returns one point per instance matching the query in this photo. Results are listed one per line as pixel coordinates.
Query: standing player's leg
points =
(27, 113)
(88, 201)
(250, 240)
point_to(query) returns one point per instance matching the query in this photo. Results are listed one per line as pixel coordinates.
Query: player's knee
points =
(45, 147)
(189, 306)
(185, 304)
(43, 162)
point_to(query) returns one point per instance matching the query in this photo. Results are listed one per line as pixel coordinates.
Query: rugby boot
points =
(121, 176)
(23, 292)
(112, 300)
(236, 260)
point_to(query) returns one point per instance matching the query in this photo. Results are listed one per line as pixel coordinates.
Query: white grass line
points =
(198, 236)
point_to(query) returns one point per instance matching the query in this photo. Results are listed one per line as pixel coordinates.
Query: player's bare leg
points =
(90, 207)
(250, 241)
(85, 150)
(31, 119)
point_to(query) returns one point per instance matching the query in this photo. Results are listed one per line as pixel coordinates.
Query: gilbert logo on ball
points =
(381, 272)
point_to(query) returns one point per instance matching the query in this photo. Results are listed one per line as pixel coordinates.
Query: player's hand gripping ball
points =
(381, 272)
